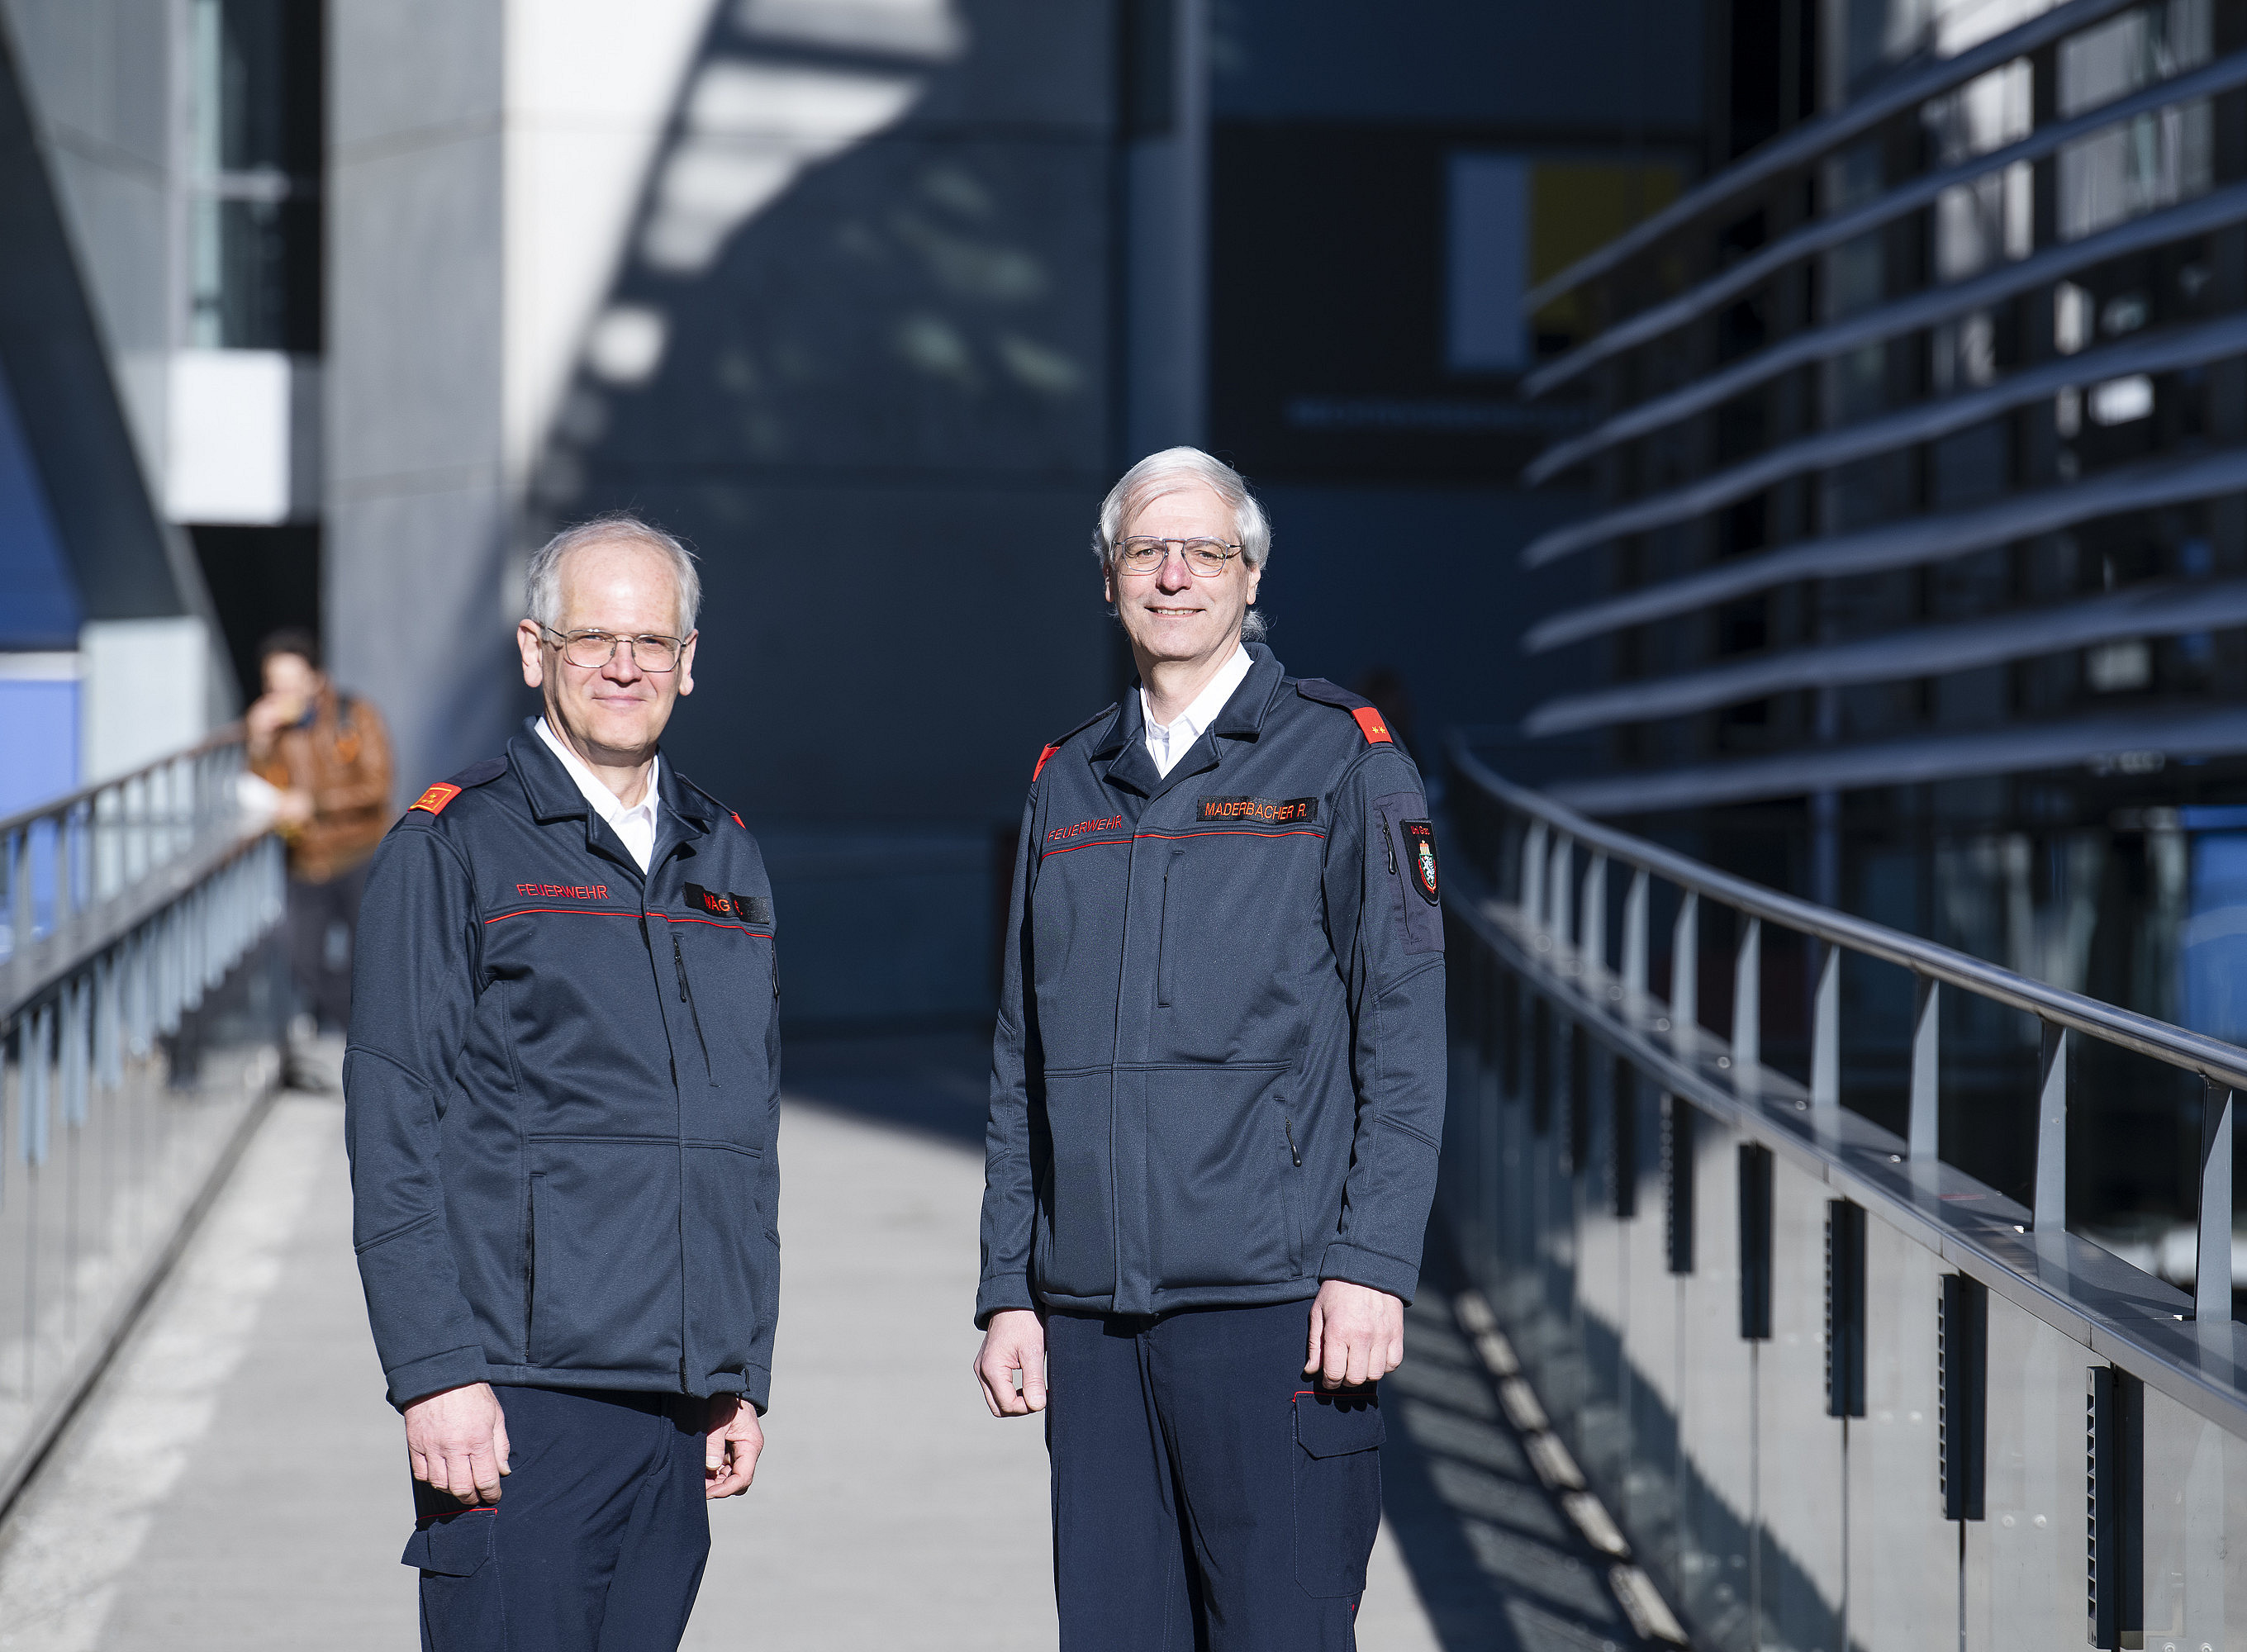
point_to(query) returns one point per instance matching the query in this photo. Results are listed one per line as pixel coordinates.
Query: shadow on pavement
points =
(1498, 1565)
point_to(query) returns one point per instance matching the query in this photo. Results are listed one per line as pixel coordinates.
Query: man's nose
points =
(624, 665)
(1173, 574)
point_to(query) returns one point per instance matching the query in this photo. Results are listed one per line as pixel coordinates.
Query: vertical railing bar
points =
(1634, 920)
(1926, 1070)
(1594, 913)
(1533, 874)
(2051, 1205)
(1826, 1032)
(1685, 967)
(1747, 1000)
(2212, 1267)
(1560, 906)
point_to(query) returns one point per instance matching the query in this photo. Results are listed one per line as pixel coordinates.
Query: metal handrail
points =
(120, 853)
(218, 740)
(2211, 1058)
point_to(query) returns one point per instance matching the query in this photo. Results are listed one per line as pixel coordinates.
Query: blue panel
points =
(2213, 956)
(38, 603)
(38, 743)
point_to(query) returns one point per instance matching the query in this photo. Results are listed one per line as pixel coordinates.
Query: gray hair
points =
(541, 582)
(1172, 471)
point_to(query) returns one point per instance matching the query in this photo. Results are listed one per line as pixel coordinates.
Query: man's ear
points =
(534, 657)
(686, 663)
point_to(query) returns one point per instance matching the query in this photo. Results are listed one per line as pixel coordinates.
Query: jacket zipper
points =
(1293, 1152)
(529, 1262)
(1390, 845)
(686, 997)
(1162, 935)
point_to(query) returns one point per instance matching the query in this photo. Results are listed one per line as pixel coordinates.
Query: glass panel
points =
(1799, 1446)
(2195, 1523)
(1903, 1555)
(2027, 1584)
(1604, 1291)
(1715, 1413)
(1650, 1492)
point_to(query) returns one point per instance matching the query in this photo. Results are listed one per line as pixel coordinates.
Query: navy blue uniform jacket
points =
(1219, 1070)
(562, 1092)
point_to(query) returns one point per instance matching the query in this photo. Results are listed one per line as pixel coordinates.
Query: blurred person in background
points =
(1217, 1094)
(327, 754)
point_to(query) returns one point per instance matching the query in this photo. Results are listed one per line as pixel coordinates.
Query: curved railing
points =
(1688, 1336)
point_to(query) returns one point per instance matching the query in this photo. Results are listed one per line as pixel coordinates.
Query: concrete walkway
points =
(237, 1482)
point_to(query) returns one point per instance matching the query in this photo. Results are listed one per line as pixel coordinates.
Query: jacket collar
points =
(1123, 748)
(684, 813)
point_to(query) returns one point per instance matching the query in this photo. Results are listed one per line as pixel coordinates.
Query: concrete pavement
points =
(237, 1482)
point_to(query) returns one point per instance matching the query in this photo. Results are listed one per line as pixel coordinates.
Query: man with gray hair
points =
(1217, 1095)
(562, 1095)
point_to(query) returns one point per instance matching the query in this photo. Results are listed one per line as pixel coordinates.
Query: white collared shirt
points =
(636, 825)
(1166, 746)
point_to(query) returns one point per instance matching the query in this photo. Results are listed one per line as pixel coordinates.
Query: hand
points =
(292, 808)
(1014, 1345)
(456, 1440)
(267, 716)
(731, 1442)
(1357, 1334)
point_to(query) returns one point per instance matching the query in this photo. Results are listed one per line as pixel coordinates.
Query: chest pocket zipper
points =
(686, 997)
(1164, 949)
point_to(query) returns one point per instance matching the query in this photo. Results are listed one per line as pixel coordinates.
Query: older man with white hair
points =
(561, 1099)
(1216, 1100)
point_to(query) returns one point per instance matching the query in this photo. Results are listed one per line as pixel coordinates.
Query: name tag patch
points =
(1263, 811)
(743, 909)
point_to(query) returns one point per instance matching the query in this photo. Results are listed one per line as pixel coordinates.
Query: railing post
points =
(1633, 936)
(19, 891)
(2212, 1282)
(1685, 967)
(2051, 1206)
(1533, 876)
(1557, 917)
(1926, 1069)
(1826, 1032)
(1594, 910)
(1747, 1000)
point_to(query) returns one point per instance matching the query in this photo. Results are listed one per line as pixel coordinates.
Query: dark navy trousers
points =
(1206, 1496)
(597, 1543)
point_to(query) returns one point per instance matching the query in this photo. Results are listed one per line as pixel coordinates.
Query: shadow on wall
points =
(855, 353)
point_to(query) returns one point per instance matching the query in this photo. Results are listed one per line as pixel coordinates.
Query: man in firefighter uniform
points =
(1217, 1098)
(562, 1097)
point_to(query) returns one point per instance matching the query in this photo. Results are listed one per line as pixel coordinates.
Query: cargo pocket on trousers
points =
(454, 1546)
(1338, 1438)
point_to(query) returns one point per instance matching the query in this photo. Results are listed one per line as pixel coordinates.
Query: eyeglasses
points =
(1205, 557)
(590, 650)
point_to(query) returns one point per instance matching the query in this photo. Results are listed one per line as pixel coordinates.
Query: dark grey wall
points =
(882, 420)
(1590, 64)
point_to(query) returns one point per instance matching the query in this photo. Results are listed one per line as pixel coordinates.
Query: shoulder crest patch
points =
(435, 798)
(1376, 731)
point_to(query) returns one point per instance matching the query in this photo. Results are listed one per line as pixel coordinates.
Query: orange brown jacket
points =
(342, 757)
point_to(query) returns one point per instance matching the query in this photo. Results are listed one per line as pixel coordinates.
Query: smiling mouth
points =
(1174, 613)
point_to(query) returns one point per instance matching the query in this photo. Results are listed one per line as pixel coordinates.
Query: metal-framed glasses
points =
(591, 650)
(1142, 555)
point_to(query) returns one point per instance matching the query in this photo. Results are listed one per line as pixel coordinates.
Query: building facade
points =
(1919, 432)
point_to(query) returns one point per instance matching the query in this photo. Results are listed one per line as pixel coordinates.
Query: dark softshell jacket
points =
(562, 1092)
(1219, 1070)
